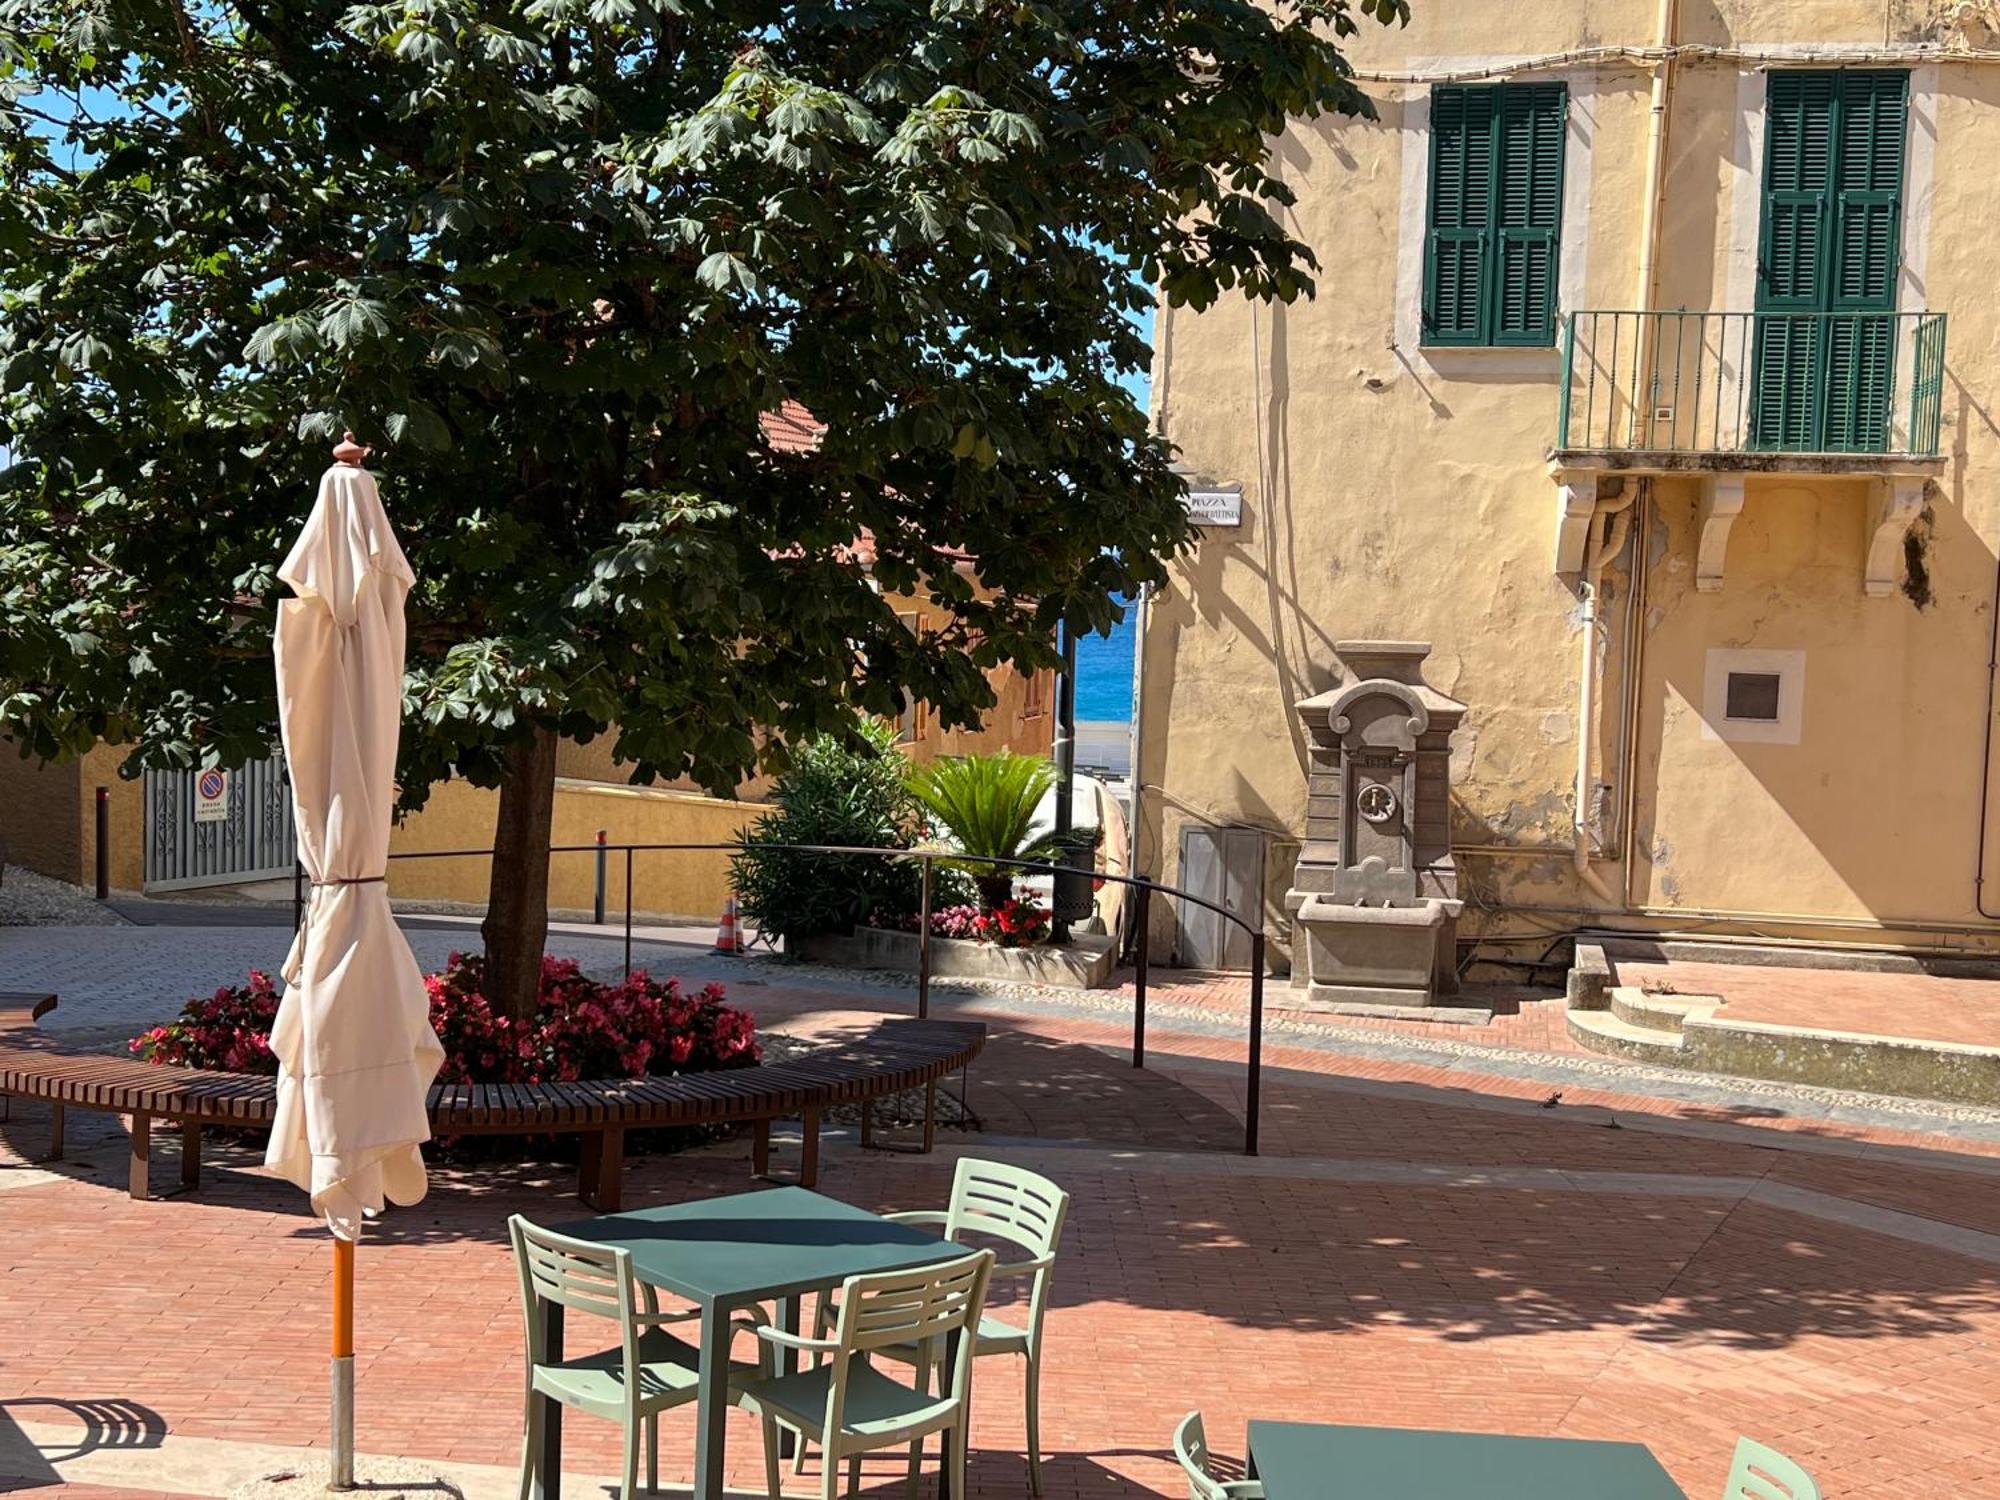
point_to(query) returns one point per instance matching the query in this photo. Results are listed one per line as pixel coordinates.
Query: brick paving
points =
(1421, 1243)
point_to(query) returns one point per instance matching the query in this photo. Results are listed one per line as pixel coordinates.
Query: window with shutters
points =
(1493, 241)
(1828, 255)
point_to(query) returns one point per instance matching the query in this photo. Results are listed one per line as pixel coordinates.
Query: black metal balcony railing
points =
(1752, 382)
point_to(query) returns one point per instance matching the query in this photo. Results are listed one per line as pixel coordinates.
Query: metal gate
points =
(251, 841)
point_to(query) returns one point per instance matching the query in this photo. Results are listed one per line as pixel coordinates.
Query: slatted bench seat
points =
(894, 1057)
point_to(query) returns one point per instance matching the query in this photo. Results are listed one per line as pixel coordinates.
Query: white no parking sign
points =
(211, 797)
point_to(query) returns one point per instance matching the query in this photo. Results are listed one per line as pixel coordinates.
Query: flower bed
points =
(1015, 923)
(581, 1028)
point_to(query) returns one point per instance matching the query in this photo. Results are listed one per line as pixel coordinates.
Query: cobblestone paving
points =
(1427, 1240)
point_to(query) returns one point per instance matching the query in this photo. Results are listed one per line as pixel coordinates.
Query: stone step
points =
(1660, 1012)
(1606, 1031)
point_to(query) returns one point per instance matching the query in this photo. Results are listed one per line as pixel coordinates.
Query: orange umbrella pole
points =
(340, 1474)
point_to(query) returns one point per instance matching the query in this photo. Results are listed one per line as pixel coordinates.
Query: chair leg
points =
(771, 1456)
(531, 1445)
(955, 1446)
(652, 1454)
(853, 1476)
(799, 1454)
(629, 1487)
(914, 1478)
(1034, 1425)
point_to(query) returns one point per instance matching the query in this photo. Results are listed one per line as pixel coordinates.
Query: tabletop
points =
(751, 1247)
(1294, 1460)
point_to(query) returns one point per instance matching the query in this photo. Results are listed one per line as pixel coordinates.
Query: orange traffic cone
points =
(728, 935)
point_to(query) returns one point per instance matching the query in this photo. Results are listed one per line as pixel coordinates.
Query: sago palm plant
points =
(987, 803)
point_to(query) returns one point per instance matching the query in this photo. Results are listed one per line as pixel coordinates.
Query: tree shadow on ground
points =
(1295, 1244)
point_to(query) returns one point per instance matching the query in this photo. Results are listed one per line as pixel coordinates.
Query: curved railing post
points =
(1142, 937)
(1254, 1087)
(924, 946)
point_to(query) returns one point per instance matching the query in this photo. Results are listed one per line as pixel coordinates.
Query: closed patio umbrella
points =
(355, 1050)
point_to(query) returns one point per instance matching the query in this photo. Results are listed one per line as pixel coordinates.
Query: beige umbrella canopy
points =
(356, 1054)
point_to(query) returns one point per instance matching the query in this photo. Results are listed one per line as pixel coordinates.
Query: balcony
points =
(1725, 395)
(1800, 392)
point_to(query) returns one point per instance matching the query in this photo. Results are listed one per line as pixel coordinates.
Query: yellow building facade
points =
(1650, 380)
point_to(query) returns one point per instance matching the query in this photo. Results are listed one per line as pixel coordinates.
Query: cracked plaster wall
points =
(1397, 492)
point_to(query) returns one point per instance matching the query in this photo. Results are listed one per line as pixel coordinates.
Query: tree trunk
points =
(994, 889)
(517, 897)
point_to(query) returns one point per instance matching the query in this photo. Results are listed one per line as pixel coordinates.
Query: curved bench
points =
(894, 1057)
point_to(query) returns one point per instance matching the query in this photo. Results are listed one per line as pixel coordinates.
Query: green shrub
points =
(836, 792)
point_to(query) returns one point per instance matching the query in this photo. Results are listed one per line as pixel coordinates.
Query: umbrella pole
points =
(340, 1475)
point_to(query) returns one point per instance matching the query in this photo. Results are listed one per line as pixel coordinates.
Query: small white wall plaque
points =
(1215, 505)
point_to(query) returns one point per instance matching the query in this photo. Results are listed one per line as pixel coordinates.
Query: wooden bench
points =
(894, 1057)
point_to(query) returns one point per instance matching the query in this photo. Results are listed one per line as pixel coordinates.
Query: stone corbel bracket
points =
(1721, 504)
(1896, 503)
(1576, 503)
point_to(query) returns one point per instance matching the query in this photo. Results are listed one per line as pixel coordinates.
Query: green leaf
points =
(353, 321)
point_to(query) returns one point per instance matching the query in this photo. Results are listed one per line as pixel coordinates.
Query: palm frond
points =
(988, 804)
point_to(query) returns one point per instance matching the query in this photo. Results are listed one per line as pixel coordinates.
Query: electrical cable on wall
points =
(1914, 55)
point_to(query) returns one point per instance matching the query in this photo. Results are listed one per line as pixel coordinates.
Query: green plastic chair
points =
(852, 1407)
(1760, 1473)
(1191, 1448)
(1025, 1210)
(647, 1372)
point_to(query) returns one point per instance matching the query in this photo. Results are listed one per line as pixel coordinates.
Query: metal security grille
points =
(254, 842)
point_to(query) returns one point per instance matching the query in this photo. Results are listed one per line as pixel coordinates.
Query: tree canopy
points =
(555, 258)
(559, 259)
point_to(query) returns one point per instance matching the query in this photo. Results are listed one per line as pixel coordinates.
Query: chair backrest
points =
(1760, 1473)
(1010, 1203)
(578, 1274)
(1191, 1448)
(926, 1305)
(1022, 1208)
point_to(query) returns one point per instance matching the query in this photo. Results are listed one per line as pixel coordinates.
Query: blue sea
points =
(1104, 674)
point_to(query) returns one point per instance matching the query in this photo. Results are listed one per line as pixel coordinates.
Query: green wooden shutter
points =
(1792, 259)
(1495, 218)
(1833, 176)
(1456, 249)
(1529, 212)
(1873, 121)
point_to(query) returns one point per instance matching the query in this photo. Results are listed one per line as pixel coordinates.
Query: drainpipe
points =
(1986, 754)
(1609, 526)
(1609, 542)
(1664, 27)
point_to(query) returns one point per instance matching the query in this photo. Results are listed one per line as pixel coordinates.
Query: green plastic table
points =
(723, 1254)
(1308, 1461)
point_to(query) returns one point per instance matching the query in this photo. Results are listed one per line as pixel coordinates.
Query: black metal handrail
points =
(930, 857)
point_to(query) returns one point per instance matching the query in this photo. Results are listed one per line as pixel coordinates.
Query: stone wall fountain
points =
(1375, 894)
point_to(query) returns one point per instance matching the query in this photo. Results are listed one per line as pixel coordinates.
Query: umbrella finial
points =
(347, 451)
